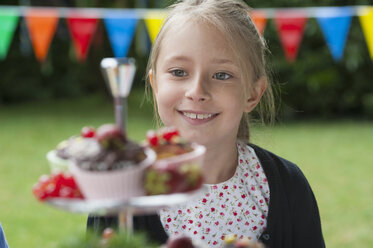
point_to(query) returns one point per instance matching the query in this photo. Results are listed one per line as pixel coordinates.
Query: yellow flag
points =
(153, 21)
(366, 20)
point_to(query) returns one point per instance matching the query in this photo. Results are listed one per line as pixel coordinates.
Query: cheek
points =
(167, 101)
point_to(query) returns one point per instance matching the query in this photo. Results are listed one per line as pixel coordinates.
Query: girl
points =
(207, 73)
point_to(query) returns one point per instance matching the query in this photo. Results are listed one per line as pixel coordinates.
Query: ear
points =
(150, 75)
(255, 94)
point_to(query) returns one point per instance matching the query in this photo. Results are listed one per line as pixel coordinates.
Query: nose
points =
(197, 90)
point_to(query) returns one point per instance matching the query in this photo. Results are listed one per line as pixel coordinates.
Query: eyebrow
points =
(185, 58)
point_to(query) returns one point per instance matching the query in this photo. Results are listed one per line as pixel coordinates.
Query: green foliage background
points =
(313, 86)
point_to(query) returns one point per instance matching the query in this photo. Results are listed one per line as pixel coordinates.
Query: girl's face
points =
(198, 85)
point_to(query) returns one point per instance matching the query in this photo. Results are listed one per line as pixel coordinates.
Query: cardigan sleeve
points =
(305, 218)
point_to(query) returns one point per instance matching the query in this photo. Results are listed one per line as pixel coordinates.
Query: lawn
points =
(335, 157)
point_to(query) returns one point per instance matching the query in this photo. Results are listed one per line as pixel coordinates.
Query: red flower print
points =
(234, 186)
(253, 207)
(243, 196)
(195, 232)
(212, 209)
(207, 194)
(215, 243)
(221, 194)
(247, 212)
(242, 149)
(179, 211)
(225, 187)
(190, 221)
(235, 213)
(222, 237)
(241, 181)
(261, 223)
(204, 200)
(208, 229)
(247, 223)
(169, 220)
(263, 216)
(217, 223)
(238, 219)
(239, 204)
(215, 187)
(221, 213)
(252, 188)
(255, 227)
(257, 166)
(246, 174)
(265, 180)
(184, 226)
(223, 206)
(199, 224)
(230, 222)
(241, 161)
(188, 211)
(261, 201)
(257, 174)
(166, 226)
(200, 216)
(203, 237)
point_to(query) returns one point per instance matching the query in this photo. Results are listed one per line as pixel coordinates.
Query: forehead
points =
(194, 38)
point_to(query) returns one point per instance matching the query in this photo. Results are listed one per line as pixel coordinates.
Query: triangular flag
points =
(42, 25)
(335, 24)
(290, 27)
(8, 24)
(121, 30)
(260, 20)
(153, 21)
(82, 30)
(366, 20)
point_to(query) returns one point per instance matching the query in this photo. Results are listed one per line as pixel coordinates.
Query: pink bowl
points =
(116, 185)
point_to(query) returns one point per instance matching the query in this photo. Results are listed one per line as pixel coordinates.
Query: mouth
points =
(199, 117)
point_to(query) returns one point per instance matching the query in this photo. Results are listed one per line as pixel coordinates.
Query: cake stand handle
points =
(126, 222)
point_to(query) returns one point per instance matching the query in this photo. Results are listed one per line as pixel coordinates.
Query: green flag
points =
(8, 23)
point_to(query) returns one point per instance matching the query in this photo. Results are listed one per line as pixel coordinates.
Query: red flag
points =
(41, 24)
(82, 30)
(260, 20)
(290, 27)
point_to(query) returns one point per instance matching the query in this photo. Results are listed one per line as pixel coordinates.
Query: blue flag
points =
(121, 29)
(335, 23)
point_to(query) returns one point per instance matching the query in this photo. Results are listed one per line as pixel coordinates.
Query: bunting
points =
(366, 19)
(335, 24)
(154, 23)
(121, 26)
(8, 23)
(290, 27)
(81, 30)
(121, 30)
(42, 25)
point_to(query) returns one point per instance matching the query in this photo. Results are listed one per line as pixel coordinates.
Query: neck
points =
(220, 162)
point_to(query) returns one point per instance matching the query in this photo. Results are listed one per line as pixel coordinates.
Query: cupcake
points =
(177, 167)
(108, 165)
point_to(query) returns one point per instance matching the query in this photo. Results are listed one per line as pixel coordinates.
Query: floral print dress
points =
(237, 206)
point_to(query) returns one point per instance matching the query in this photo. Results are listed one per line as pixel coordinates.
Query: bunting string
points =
(121, 24)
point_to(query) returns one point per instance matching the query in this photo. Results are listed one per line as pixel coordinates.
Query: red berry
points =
(170, 133)
(152, 138)
(88, 132)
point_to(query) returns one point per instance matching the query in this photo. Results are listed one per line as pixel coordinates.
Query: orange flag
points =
(260, 20)
(41, 24)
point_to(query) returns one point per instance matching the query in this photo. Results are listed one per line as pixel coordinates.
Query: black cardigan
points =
(293, 218)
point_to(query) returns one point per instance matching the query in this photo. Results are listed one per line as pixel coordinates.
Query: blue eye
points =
(221, 76)
(178, 73)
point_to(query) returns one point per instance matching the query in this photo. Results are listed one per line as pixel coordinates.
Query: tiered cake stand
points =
(128, 208)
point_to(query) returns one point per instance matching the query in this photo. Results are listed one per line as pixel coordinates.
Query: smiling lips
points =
(198, 117)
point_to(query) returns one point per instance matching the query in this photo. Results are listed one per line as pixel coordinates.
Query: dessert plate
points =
(136, 205)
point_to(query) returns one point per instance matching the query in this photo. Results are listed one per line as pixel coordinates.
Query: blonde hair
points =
(230, 17)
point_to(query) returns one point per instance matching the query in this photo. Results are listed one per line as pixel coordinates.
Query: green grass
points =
(335, 157)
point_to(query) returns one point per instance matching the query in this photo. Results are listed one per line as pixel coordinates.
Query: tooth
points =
(193, 116)
(200, 116)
